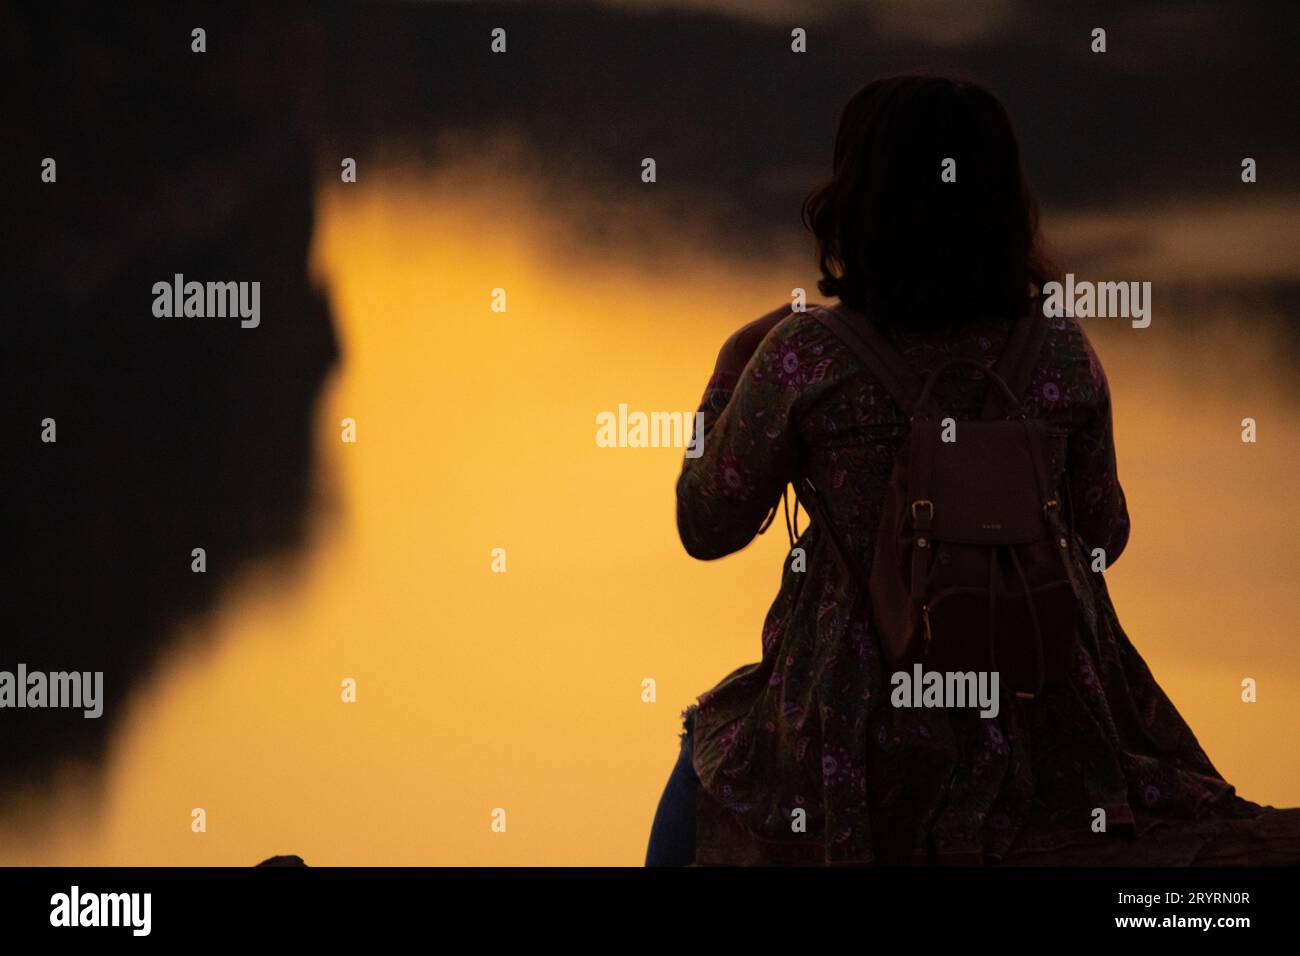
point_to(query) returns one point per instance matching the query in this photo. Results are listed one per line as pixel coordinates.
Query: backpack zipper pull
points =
(925, 617)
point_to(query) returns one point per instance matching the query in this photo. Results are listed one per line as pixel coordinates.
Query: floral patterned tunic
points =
(810, 726)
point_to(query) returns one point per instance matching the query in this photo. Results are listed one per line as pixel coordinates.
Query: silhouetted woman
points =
(801, 758)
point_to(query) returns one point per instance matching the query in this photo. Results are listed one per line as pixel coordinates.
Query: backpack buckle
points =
(923, 503)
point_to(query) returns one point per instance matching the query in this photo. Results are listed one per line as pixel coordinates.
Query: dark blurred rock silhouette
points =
(172, 434)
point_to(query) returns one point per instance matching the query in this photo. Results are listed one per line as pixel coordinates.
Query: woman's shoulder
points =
(1068, 342)
(1069, 374)
(798, 351)
(784, 328)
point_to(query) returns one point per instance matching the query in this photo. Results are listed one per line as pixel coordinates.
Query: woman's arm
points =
(1097, 502)
(747, 456)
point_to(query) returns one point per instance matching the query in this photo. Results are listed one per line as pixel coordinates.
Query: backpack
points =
(972, 568)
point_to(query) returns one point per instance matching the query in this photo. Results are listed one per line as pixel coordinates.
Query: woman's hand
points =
(739, 348)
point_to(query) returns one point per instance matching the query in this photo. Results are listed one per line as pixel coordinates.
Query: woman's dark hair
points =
(894, 239)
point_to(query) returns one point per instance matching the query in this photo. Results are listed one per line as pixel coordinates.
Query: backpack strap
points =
(873, 350)
(1019, 359)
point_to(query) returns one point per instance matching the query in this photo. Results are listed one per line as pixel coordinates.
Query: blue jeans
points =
(672, 835)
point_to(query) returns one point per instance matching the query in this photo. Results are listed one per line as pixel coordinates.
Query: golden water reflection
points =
(522, 690)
